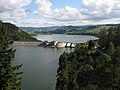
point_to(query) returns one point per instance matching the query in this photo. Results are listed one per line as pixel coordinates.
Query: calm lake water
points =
(40, 64)
(65, 38)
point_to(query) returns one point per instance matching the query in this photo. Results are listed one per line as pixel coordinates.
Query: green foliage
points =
(91, 44)
(89, 68)
(111, 35)
(116, 68)
(62, 73)
(15, 33)
(10, 77)
(70, 30)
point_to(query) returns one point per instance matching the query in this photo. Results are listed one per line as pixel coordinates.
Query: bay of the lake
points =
(40, 64)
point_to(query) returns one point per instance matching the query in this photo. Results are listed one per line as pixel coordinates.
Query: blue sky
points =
(56, 4)
(63, 3)
(59, 4)
(32, 6)
(41, 13)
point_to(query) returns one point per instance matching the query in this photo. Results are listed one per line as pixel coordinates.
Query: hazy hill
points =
(32, 29)
(15, 33)
(74, 30)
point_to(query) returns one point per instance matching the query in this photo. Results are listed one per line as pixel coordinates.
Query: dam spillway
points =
(56, 44)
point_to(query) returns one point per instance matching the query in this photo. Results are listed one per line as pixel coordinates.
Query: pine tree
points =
(103, 39)
(89, 69)
(10, 77)
(62, 73)
(116, 69)
(91, 44)
(111, 49)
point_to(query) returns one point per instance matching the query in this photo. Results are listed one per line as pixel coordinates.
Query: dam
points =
(26, 43)
(56, 44)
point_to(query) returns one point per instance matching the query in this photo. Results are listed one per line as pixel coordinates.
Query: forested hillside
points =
(72, 30)
(10, 75)
(95, 66)
(15, 33)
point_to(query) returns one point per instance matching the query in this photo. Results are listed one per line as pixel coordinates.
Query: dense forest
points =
(95, 66)
(10, 76)
(15, 33)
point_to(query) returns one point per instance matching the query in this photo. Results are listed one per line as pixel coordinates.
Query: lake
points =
(40, 64)
(65, 38)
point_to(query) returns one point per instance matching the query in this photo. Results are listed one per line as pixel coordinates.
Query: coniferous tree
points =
(10, 77)
(111, 49)
(103, 39)
(62, 71)
(91, 44)
(92, 69)
(116, 69)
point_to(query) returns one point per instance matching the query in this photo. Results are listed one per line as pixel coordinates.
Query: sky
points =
(43, 13)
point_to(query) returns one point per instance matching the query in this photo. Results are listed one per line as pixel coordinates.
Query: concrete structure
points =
(72, 45)
(25, 43)
(68, 44)
(45, 44)
(61, 45)
(55, 43)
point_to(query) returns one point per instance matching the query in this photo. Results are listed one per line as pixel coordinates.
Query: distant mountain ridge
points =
(32, 29)
(74, 30)
(15, 33)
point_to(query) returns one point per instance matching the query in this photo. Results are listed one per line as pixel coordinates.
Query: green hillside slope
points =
(76, 30)
(15, 33)
(73, 30)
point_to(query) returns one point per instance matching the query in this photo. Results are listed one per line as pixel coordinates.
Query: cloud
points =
(91, 11)
(101, 9)
(35, 22)
(44, 7)
(13, 4)
(67, 14)
(45, 14)
(13, 9)
(46, 22)
(62, 14)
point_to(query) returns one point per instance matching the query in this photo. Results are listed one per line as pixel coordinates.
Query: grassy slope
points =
(74, 30)
(94, 30)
